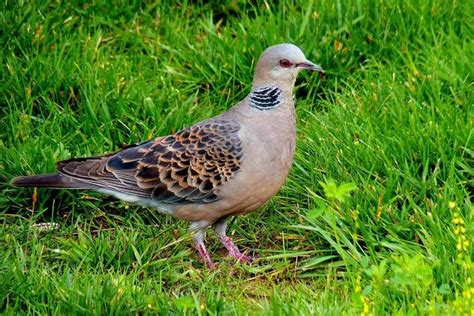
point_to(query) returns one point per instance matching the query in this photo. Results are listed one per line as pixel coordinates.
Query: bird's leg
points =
(201, 248)
(234, 252)
(199, 243)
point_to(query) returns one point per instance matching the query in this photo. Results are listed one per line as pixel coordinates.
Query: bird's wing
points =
(183, 168)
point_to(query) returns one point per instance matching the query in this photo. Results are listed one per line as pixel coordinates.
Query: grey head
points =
(280, 65)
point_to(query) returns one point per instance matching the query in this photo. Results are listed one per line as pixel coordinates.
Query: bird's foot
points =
(243, 258)
(234, 252)
(205, 255)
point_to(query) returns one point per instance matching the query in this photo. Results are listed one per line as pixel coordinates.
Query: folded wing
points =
(187, 167)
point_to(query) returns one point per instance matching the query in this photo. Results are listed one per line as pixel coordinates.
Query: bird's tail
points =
(52, 180)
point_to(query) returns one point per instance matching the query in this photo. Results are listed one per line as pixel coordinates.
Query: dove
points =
(224, 166)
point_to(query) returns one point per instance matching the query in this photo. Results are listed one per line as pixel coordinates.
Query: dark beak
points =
(310, 66)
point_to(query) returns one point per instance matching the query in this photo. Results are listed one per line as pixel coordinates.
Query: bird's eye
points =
(285, 63)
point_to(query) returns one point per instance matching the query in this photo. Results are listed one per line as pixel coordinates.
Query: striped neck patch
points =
(266, 98)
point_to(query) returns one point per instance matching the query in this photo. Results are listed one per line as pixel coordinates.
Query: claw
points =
(244, 258)
(234, 252)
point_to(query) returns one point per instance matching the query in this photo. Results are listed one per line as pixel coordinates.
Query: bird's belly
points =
(262, 174)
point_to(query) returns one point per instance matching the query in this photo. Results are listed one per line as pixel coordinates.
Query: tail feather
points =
(52, 180)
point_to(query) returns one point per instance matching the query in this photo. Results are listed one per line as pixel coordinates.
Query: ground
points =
(376, 216)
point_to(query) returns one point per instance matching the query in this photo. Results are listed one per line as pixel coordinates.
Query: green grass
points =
(370, 219)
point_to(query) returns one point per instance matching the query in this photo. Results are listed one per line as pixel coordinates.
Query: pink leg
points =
(204, 254)
(198, 238)
(234, 252)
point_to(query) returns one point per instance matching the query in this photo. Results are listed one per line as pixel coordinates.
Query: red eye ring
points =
(285, 63)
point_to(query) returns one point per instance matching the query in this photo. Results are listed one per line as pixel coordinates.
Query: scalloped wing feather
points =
(187, 167)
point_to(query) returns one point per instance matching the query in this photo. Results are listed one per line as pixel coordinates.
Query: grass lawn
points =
(376, 216)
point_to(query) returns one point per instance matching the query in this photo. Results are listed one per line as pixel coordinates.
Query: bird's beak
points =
(310, 66)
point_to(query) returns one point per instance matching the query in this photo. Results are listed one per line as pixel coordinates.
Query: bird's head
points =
(281, 64)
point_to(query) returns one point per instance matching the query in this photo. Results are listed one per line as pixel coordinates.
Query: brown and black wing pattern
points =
(183, 168)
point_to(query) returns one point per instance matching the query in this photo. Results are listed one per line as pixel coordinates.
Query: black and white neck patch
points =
(266, 98)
